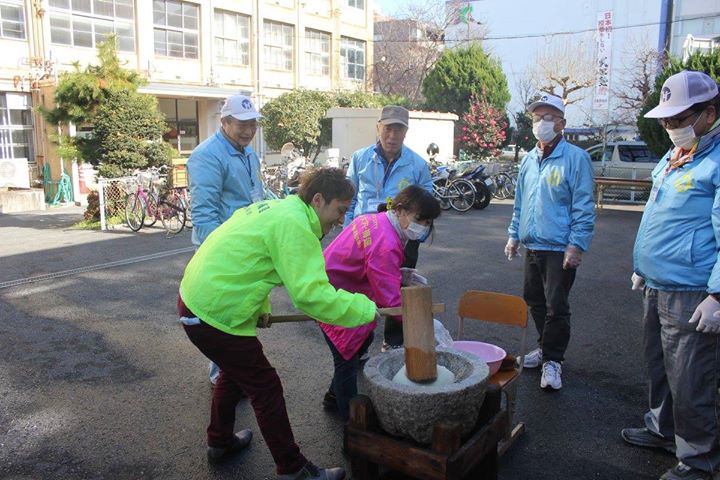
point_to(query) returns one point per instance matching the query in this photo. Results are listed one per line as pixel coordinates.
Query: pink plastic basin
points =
(491, 354)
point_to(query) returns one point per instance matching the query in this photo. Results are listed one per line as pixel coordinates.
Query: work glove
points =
(707, 316)
(572, 258)
(411, 277)
(512, 248)
(638, 282)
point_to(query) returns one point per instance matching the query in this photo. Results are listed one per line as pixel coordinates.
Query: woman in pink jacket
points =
(366, 258)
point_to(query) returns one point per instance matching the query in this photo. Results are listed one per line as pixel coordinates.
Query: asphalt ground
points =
(98, 381)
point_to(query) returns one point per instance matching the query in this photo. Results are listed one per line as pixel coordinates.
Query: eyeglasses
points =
(674, 122)
(548, 117)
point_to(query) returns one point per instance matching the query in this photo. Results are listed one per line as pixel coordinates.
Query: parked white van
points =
(623, 159)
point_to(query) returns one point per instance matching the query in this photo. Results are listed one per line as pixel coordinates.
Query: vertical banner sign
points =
(602, 67)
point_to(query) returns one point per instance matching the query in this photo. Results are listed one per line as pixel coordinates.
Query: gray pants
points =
(683, 369)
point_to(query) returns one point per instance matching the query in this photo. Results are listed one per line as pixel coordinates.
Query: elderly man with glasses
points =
(554, 218)
(677, 265)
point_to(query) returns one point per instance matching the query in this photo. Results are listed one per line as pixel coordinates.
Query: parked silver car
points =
(623, 159)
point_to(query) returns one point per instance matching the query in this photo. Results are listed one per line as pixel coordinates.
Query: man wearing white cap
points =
(676, 261)
(554, 218)
(224, 173)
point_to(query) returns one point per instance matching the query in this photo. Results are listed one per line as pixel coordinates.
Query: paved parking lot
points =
(97, 379)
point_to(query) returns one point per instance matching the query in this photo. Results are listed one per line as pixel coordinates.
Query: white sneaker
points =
(533, 359)
(551, 372)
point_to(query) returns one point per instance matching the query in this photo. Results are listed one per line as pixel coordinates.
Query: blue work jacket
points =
(222, 179)
(554, 202)
(376, 183)
(678, 241)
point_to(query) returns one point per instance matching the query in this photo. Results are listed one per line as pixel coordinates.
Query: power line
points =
(567, 32)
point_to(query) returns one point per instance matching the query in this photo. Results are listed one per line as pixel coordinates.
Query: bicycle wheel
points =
(151, 210)
(482, 195)
(509, 186)
(462, 195)
(134, 212)
(172, 215)
(499, 180)
(440, 192)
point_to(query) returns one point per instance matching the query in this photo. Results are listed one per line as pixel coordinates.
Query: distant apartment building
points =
(193, 53)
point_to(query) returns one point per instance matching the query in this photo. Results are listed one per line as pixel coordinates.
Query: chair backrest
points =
(492, 307)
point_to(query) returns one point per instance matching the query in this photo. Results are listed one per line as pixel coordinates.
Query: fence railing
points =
(111, 195)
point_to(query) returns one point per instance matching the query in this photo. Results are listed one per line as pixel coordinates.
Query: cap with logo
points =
(239, 107)
(394, 114)
(549, 101)
(681, 91)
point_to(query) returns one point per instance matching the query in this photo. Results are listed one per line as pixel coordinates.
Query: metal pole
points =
(101, 199)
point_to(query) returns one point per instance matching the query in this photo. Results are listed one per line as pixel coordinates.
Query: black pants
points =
(393, 329)
(546, 291)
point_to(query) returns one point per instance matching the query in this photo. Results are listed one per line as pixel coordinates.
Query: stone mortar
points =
(413, 411)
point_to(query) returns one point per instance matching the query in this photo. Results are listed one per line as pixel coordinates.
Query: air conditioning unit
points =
(14, 173)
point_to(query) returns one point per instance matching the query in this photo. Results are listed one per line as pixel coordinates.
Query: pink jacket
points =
(365, 258)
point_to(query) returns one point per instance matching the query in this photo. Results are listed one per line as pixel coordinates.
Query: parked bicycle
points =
(456, 193)
(144, 206)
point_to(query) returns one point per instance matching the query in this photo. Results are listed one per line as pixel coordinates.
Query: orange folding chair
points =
(508, 310)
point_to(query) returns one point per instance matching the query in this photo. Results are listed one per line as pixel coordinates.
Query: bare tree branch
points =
(564, 72)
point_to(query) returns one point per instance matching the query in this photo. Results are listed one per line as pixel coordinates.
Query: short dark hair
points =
(330, 182)
(417, 199)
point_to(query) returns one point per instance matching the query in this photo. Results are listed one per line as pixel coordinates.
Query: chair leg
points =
(515, 430)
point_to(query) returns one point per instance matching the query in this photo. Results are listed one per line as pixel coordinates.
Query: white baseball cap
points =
(239, 107)
(548, 100)
(681, 91)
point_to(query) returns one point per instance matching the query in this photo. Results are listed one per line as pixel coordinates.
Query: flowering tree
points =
(483, 129)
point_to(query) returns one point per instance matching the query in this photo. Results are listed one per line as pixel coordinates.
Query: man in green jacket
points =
(226, 288)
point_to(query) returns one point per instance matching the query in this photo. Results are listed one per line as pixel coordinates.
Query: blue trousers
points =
(344, 382)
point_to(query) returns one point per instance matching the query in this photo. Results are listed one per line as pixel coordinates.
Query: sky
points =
(518, 40)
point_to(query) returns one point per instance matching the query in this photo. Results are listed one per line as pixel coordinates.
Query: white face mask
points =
(418, 232)
(683, 137)
(544, 131)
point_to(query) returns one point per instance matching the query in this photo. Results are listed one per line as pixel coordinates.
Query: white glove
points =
(707, 316)
(512, 248)
(638, 282)
(410, 277)
(573, 257)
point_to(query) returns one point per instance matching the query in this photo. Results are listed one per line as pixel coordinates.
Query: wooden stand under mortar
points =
(449, 457)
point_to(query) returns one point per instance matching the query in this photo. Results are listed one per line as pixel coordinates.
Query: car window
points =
(636, 154)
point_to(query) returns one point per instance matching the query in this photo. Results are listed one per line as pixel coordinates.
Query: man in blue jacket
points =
(379, 172)
(553, 218)
(676, 259)
(224, 173)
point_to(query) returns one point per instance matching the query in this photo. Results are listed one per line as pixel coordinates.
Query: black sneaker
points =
(311, 472)
(330, 401)
(216, 455)
(642, 437)
(686, 472)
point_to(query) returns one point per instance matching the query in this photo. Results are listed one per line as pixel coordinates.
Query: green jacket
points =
(277, 242)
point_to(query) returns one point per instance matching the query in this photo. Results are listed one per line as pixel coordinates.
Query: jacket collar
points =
(310, 213)
(557, 152)
(231, 149)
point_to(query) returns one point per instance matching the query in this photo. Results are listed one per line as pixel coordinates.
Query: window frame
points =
(21, 8)
(322, 56)
(270, 48)
(8, 129)
(189, 50)
(75, 17)
(355, 3)
(345, 48)
(243, 47)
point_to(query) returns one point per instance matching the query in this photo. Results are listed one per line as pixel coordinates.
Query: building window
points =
(85, 23)
(176, 28)
(182, 118)
(16, 129)
(317, 53)
(12, 20)
(278, 46)
(352, 58)
(356, 4)
(232, 38)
